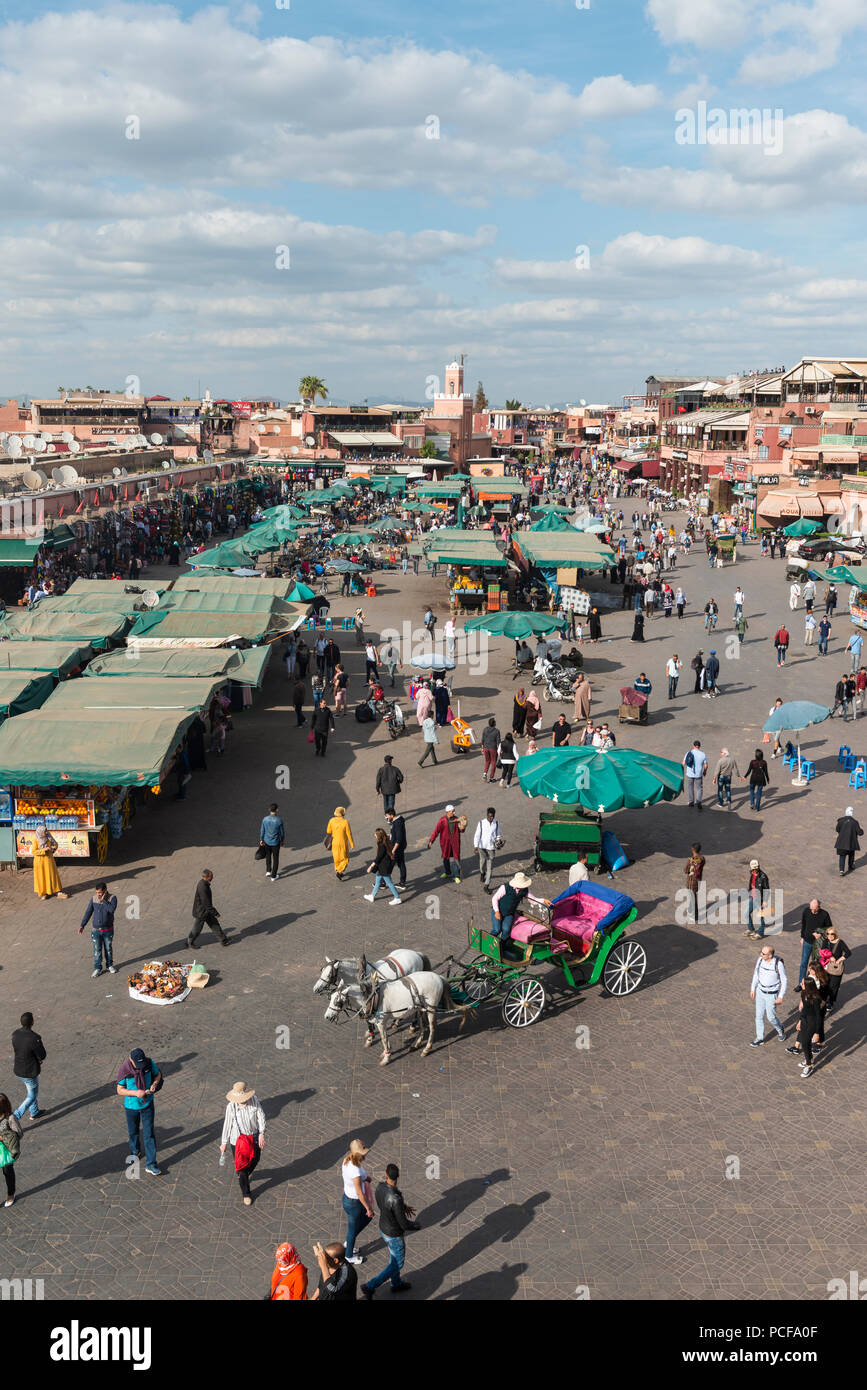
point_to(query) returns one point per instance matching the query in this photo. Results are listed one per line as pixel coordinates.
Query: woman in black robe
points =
(595, 625)
(638, 627)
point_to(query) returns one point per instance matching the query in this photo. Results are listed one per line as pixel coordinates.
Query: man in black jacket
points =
(29, 1054)
(323, 725)
(397, 829)
(204, 911)
(389, 780)
(395, 1219)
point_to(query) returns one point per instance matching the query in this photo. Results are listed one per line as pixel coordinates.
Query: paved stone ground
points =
(558, 1167)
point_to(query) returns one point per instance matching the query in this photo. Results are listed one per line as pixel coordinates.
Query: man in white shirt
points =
(486, 840)
(739, 602)
(578, 872)
(673, 668)
(694, 766)
(768, 988)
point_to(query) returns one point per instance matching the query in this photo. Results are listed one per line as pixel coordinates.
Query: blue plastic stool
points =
(849, 762)
(789, 759)
(858, 778)
(844, 749)
(348, 624)
(808, 769)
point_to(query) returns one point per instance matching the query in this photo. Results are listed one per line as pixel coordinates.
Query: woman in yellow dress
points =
(338, 828)
(46, 879)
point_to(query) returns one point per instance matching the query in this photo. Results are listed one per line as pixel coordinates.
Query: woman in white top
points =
(244, 1116)
(357, 1197)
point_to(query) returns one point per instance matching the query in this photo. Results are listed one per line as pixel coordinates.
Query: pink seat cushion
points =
(524, 930)
(577, 928)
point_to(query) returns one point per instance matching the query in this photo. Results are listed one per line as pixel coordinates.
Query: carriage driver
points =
(505, 903)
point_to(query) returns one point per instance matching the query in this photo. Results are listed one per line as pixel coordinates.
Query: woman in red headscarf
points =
(289, 1280)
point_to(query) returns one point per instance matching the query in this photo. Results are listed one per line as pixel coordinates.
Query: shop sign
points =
(768, 479)
(679, 454)
(241, 410)
(71, 844)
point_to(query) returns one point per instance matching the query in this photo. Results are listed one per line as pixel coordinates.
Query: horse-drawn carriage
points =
(583, 936)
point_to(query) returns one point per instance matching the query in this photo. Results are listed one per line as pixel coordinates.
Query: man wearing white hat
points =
(505, 903)
(448, 828)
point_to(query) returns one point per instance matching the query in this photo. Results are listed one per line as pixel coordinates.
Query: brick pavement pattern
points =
(539, 1168)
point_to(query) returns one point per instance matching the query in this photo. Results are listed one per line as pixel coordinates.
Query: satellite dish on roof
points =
(31, 479)
(123, 473)
(150, 598)
(43, 481)
(310, 440)
(261, 428)
(67, 437)
(582, 402)
(294, 449)
(115, 472)
(57, 475)
(68, 474)
(40, 446)
(13, 446)
(29, 441)
(51, 448)
(156, 439)
(75, 447)
(275, 429)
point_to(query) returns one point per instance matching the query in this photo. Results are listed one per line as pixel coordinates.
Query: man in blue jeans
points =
(101, 910)
(815, 921)
(271, 836)
(395, 1219)
(137, 1081)
(29, 1054)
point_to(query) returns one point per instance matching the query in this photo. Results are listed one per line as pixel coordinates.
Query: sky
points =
(231, 197)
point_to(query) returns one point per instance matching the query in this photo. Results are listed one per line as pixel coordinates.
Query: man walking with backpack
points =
(768, 989)
(695, 766)
(486, 841)
(395, 1219)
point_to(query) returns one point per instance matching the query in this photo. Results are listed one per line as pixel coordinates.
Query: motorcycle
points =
(558, 679)
(393, 718)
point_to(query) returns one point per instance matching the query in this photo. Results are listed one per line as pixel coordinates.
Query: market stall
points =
(186, 663)
(55, 658)
(477, 564)
(23, 690)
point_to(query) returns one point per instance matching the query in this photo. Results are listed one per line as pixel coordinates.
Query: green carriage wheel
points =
(624, 969)
(524, 1002)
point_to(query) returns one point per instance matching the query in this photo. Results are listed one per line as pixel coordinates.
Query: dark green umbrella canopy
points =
(600, 781)
(802, 527)
(514, 624)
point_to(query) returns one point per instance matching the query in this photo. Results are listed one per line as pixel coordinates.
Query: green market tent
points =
(134, 588)
(93, 629)
(563, 550)
(209, 629)
(549, 509)
(283, 512)
(125, 604)
(445, 490)
(235, 601)
(301, 593)
(425, 507)
(16, 550)
(230, 555)
(138, 692)
(348, 539)
(231, 584)
(24, 690)
(841, 574)
(90, 747)
(186, 663)
(388, 525)
(802, 527)
(552, 522)
(53, 658)
(599, 781)
(514, 624)
(483, 554)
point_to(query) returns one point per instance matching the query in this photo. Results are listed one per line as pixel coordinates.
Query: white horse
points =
(351, 969)
(419, 993)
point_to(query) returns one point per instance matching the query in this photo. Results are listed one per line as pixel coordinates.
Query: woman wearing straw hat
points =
(357, 1197)
(244, 1129)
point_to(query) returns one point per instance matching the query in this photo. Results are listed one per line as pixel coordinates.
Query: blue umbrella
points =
(796, 716)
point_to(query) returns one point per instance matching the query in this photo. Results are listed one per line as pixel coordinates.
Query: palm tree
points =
(512, 405)
(309, 387)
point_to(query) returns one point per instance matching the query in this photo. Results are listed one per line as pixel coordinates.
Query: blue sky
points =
(257, 128)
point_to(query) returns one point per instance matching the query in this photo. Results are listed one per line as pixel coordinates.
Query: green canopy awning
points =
(54, 658)
(246, 667)
(23, 690)
(60, 537)
(90, 747)
(137, 692)
(15, 550)
(552, 522)
(231, 584)
(94, 629)
(209, 629)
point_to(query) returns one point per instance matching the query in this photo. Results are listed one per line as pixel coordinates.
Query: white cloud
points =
(701, 23)
(610, 97)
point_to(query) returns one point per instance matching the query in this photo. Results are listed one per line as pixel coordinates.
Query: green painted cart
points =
(506, 973)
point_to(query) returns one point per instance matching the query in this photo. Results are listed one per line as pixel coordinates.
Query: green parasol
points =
(512, 624)
(802, 527)
(600, 781)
